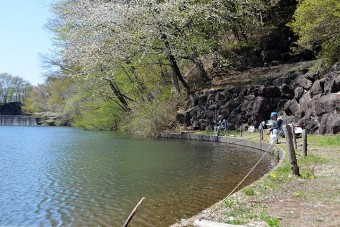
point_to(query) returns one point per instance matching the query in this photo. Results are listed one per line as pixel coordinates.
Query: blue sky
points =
(22, 37)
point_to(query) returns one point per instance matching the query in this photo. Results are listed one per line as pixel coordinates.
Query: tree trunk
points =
(177, 75)
(121, 97)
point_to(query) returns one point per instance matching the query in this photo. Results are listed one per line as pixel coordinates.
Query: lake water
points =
(54, 176)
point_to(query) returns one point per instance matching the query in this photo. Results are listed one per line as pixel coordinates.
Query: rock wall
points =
(311, 100)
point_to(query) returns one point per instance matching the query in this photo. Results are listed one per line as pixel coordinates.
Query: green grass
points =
(249, 191)
(240, 213)
(272, 222)
(324, 140)
(278, 179)
(311, 159)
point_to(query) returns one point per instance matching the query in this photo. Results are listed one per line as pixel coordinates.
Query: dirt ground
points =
(312, 199)
(312, 202)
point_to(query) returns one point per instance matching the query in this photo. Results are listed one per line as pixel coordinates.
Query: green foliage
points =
(317, 22)
(117, 60)
(97, 117)
(150, 118)
(272, 222)
(249, 191)
(229, 202)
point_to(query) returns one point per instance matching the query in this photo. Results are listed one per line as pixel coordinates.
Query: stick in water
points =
(134, 211)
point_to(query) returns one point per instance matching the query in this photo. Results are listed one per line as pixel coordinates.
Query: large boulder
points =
(311, 76)
(268, 91)
(261, 109)
(281, 104)
(317, 87)
(335, 87)
(304, 100)
(332, 83)
(291, 107)
(235, 119)
(247, 103)
(304, 82)
(231, 105)
(328, 104)
(330, 123)
(298, 93)
(310, 124)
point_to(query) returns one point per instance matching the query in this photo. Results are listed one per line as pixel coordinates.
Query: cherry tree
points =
(114, 42)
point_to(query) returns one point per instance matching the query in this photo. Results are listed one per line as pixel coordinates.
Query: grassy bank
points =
(283, 199)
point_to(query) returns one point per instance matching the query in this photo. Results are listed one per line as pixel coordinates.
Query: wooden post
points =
(294, 137)
(304, 142)
(241, 130)
(134, 211)
(261, 135)
(292, 156)
(261, 132)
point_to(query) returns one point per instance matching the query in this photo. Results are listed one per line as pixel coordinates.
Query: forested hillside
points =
(131, 65)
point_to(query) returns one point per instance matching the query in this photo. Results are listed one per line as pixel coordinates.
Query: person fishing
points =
(275, 129)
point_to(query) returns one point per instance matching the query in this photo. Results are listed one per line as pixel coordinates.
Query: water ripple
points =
(69, 177)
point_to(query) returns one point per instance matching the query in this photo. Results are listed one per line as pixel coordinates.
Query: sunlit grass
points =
(279, 178)
(324, 140)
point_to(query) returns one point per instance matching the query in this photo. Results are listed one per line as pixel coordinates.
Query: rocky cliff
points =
(311, 100)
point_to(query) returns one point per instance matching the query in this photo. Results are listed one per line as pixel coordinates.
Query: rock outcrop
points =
(311, 100)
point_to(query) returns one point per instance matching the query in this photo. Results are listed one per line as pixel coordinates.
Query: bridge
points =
(17, 120)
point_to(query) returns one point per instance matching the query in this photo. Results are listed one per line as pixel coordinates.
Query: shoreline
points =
(264, 147)
(280, 198)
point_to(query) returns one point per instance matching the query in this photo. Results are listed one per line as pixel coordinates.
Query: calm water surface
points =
(68, 177)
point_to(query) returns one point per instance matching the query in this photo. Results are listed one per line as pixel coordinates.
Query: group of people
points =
(275, 129)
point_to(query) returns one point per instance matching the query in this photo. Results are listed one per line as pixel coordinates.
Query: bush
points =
(149, 119)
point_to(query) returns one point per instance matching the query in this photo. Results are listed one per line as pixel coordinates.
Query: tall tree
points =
(317, 23)
(13, 88)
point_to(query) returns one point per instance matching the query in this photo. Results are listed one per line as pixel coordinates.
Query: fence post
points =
(241, 129)
(294, 137)
(304, 142)
(292, 156)
(261, 132)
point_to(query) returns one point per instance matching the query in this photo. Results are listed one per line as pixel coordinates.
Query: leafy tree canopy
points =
(318, 23)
